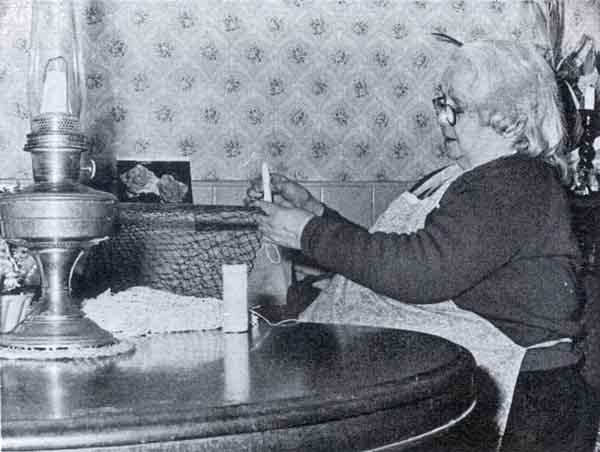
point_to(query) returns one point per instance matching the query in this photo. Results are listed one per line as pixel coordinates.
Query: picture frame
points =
(155, 181)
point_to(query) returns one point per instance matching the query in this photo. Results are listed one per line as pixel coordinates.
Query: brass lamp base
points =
(44, 332)
(58, 329)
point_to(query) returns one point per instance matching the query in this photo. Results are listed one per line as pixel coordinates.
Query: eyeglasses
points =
(446, 113)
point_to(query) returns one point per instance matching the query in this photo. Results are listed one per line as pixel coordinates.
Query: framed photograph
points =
(154, 181)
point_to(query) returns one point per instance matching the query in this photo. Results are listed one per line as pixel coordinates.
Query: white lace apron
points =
(344, 301)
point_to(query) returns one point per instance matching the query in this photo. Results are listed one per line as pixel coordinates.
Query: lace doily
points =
(140, 311)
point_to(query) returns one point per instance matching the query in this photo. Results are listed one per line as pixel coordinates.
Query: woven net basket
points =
(174, 247)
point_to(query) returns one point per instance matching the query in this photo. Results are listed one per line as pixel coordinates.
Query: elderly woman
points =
(496, 240)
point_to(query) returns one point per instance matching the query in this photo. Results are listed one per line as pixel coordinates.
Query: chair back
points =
(586, 223)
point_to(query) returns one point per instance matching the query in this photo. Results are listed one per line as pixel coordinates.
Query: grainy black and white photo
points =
(300, 225)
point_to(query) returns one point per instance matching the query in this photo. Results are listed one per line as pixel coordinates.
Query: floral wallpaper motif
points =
(321, 89)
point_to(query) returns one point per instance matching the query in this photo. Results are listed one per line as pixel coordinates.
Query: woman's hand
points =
(282, 225)
(286, 193)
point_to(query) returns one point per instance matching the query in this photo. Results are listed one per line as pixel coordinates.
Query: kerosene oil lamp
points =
(56, 218)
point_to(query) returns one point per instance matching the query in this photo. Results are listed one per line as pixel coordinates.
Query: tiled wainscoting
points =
(361, 202)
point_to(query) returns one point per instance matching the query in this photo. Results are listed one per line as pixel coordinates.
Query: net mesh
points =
(179, 248)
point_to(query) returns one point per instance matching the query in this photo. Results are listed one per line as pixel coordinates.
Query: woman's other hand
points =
(282, 225)
(286, 193)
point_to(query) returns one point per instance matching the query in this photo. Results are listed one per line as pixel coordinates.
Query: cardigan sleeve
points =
(333, 215)
(483, 220)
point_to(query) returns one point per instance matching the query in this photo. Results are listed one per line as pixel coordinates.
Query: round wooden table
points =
(305, 387)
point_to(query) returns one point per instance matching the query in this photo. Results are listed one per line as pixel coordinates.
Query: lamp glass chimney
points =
(55, 70)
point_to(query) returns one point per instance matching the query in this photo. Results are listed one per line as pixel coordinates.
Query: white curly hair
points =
(513, 89)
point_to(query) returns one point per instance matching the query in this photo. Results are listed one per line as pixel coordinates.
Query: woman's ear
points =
(509, 128)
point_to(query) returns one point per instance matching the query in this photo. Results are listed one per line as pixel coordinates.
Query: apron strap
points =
(552, 355)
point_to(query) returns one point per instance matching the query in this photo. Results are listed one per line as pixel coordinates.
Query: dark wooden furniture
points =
(305, 387)
(586, 220)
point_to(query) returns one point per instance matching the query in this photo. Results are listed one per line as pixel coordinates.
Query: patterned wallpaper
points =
(321, 89)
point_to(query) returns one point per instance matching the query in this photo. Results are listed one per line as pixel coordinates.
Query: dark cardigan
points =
(500, 244)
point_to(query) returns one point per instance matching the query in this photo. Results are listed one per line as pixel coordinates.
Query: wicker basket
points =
(174, 247)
